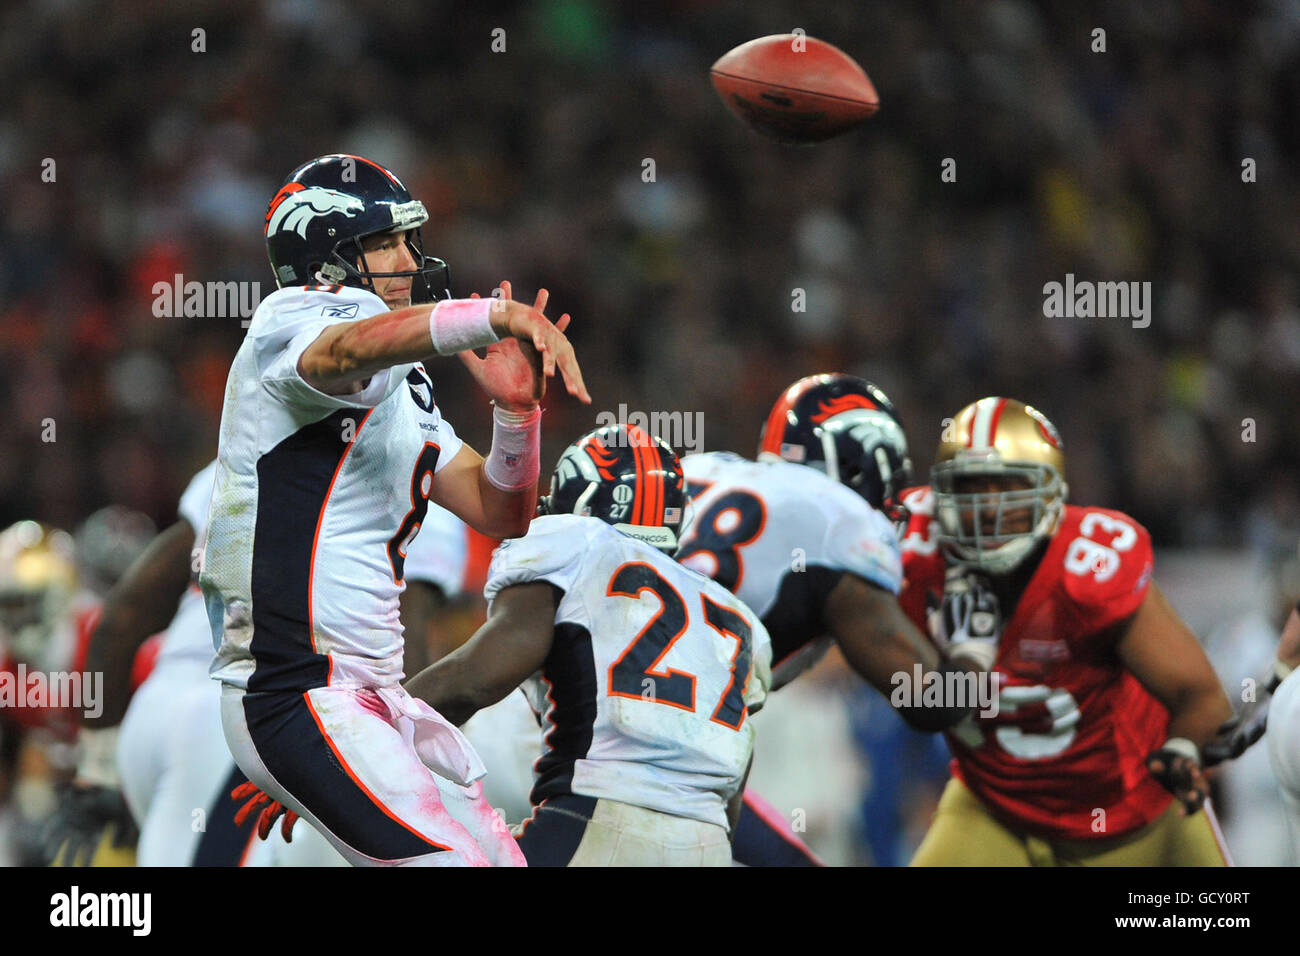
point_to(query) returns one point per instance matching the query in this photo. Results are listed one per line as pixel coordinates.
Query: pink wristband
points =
(459, 324)
(514, 462)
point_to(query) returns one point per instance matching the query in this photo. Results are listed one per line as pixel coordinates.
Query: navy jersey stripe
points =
(223, 843)
(796, 616)
(293, 480)
(758, 842)
(292, 747)
(570, 670)
(556, 830)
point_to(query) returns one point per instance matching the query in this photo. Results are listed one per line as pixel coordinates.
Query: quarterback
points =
(1106, 698)
(331, 448)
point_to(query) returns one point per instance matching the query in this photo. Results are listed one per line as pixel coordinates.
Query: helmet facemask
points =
(866, 451)
(995, 530)
(430, 280)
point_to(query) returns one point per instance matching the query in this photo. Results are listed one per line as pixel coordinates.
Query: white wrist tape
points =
(514, 462)
(459, 324)
(1183, 747)
(97, 762)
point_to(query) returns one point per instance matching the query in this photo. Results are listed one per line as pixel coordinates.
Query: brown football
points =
(794, 88)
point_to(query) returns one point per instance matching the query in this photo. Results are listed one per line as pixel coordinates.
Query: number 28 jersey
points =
(652, 672)
(780, 536)
(1031, 766)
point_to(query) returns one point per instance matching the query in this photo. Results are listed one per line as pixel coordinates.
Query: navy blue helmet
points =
(315, 224)
(845, 427)
(625, 477)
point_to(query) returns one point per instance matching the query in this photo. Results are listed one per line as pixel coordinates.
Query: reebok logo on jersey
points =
(340, 311)
(74, 909)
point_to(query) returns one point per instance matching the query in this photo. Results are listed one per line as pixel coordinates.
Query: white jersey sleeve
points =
(298, 320)
(448, 441)
(863, 542)
(439, 552)
(781, 535)
(551, 551)
(188, 636)
(196, 498)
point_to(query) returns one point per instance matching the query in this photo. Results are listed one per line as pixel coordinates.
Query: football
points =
(793, 88)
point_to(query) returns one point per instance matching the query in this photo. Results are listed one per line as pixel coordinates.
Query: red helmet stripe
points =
(774, 430)
(655, 513)
(660, 477)
(993, 423)
(640, 503)
(371, 162)
(981, 434)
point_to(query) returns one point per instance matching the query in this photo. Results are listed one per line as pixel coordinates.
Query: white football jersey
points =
(317, 498)
(780, 535)
(652, 673)
(440, 552)
(188, 636)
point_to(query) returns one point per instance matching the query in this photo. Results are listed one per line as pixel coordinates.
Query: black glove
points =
(970, 617)
(1177, 766)
(1236, 734)
(85, 814)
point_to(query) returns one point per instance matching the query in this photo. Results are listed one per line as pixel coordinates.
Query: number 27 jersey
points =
(652, 672)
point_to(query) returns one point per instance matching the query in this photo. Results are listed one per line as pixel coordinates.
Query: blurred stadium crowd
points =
(1114, 166)
(1122, 165)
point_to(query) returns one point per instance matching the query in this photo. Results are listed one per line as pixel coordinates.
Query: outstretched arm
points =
(500, 656)
(879, 641)
(347, 353)
(1162, 653)
(1167, 658)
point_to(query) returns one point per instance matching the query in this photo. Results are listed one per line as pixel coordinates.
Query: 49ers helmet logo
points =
(296, 205)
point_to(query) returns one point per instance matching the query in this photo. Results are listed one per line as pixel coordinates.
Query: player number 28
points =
(641, 660)
(733, 521)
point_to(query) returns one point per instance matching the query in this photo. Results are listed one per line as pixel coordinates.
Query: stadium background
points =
(1122, 165)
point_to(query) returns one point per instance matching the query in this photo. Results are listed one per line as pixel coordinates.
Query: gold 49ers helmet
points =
(997, 522)
(38, 577)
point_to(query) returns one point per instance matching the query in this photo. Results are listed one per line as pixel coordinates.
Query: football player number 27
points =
(637, 671)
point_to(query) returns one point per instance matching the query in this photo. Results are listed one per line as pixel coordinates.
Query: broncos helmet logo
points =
(835, 406)
(604, 458)
(296, 205)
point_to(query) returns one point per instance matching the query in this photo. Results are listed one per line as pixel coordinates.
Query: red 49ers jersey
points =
(1057, 652)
